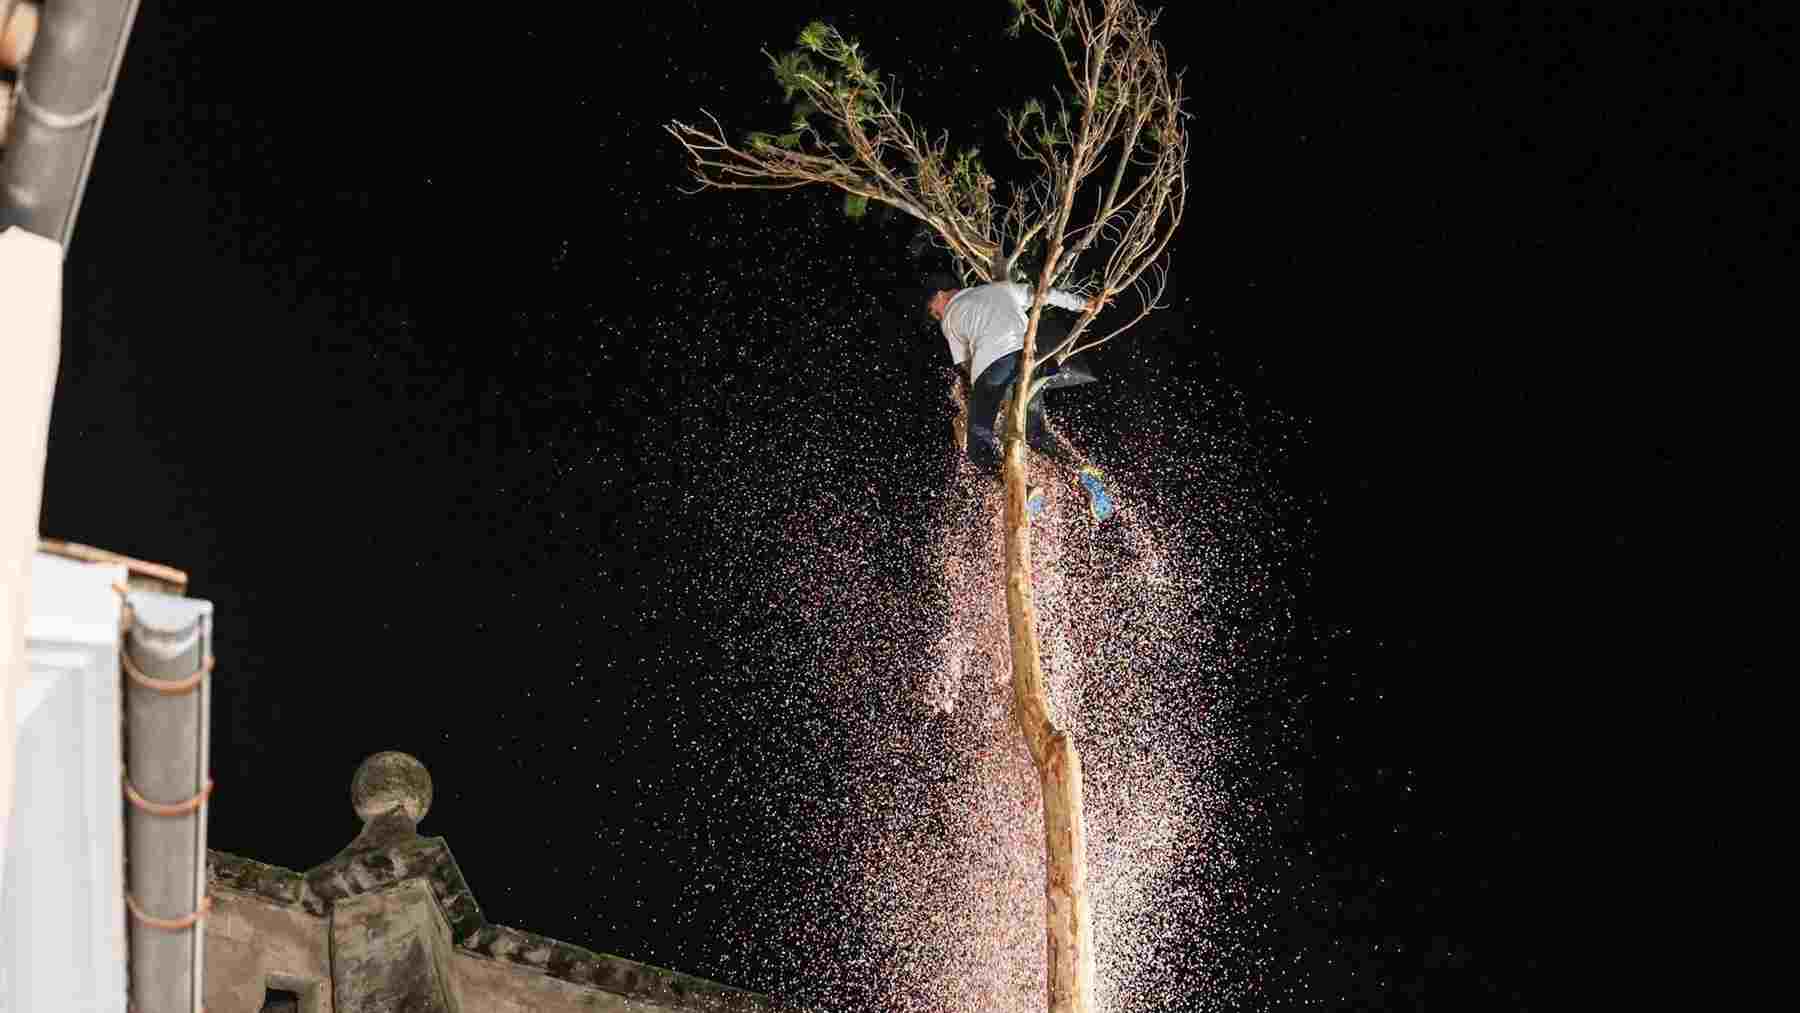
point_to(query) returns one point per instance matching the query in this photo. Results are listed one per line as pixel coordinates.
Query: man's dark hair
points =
(935, 283)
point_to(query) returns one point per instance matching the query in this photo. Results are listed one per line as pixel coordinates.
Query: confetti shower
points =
(871, 637)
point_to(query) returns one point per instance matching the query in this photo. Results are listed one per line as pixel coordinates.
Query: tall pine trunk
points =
(1068, 928)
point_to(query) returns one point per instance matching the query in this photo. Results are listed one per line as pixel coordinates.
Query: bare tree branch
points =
(1118, 111)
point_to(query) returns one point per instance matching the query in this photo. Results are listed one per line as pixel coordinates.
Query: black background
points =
(368, 328)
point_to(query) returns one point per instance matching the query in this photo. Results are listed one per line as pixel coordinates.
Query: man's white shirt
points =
(984, 323)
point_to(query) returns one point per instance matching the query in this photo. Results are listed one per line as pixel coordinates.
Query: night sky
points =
(393, 330)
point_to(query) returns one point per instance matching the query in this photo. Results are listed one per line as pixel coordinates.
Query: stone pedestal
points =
(390, 952)
(390, 940)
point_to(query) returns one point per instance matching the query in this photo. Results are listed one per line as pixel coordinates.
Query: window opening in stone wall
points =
(280, 1000)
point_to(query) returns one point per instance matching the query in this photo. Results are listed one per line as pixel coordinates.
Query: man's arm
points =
(1057, 297)
(1067, 300)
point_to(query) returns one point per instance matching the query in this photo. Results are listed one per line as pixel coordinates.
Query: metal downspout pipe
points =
(168, 706)
(63, 93)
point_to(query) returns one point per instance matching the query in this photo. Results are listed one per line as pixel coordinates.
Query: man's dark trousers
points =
(992, 387)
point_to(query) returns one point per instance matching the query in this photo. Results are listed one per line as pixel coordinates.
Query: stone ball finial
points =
(391, 780)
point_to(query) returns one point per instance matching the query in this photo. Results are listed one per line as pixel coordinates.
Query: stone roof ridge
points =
(427, 858)
(259, 879)
(610, 973)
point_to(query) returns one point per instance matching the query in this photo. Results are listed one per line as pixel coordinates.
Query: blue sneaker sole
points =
(1099, 503)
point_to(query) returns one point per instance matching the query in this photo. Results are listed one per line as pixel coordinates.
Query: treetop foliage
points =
(1108, 144)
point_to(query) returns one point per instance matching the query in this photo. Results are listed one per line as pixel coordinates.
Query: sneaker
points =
(1099, 503)
(1034, 501)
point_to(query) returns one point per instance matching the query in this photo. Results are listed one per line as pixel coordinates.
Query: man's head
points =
(940, 287)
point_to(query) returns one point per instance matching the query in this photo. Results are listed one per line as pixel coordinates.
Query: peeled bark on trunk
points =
(1068, 928)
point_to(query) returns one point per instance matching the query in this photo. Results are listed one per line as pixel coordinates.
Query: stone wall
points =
(500, 962)
(258, 936)
(488, 985)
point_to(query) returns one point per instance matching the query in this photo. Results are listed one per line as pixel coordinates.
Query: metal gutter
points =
(144, 575)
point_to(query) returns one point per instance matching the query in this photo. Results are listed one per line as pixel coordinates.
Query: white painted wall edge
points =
(30, 342)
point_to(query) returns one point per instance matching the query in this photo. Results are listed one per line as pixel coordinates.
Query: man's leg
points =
(985, 395)
(1039, 437)
(994, 386)
(1051, 332)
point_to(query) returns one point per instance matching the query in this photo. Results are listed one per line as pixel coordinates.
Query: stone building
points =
(389, 925)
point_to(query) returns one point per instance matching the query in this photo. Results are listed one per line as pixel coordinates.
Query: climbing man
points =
(985, 327)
